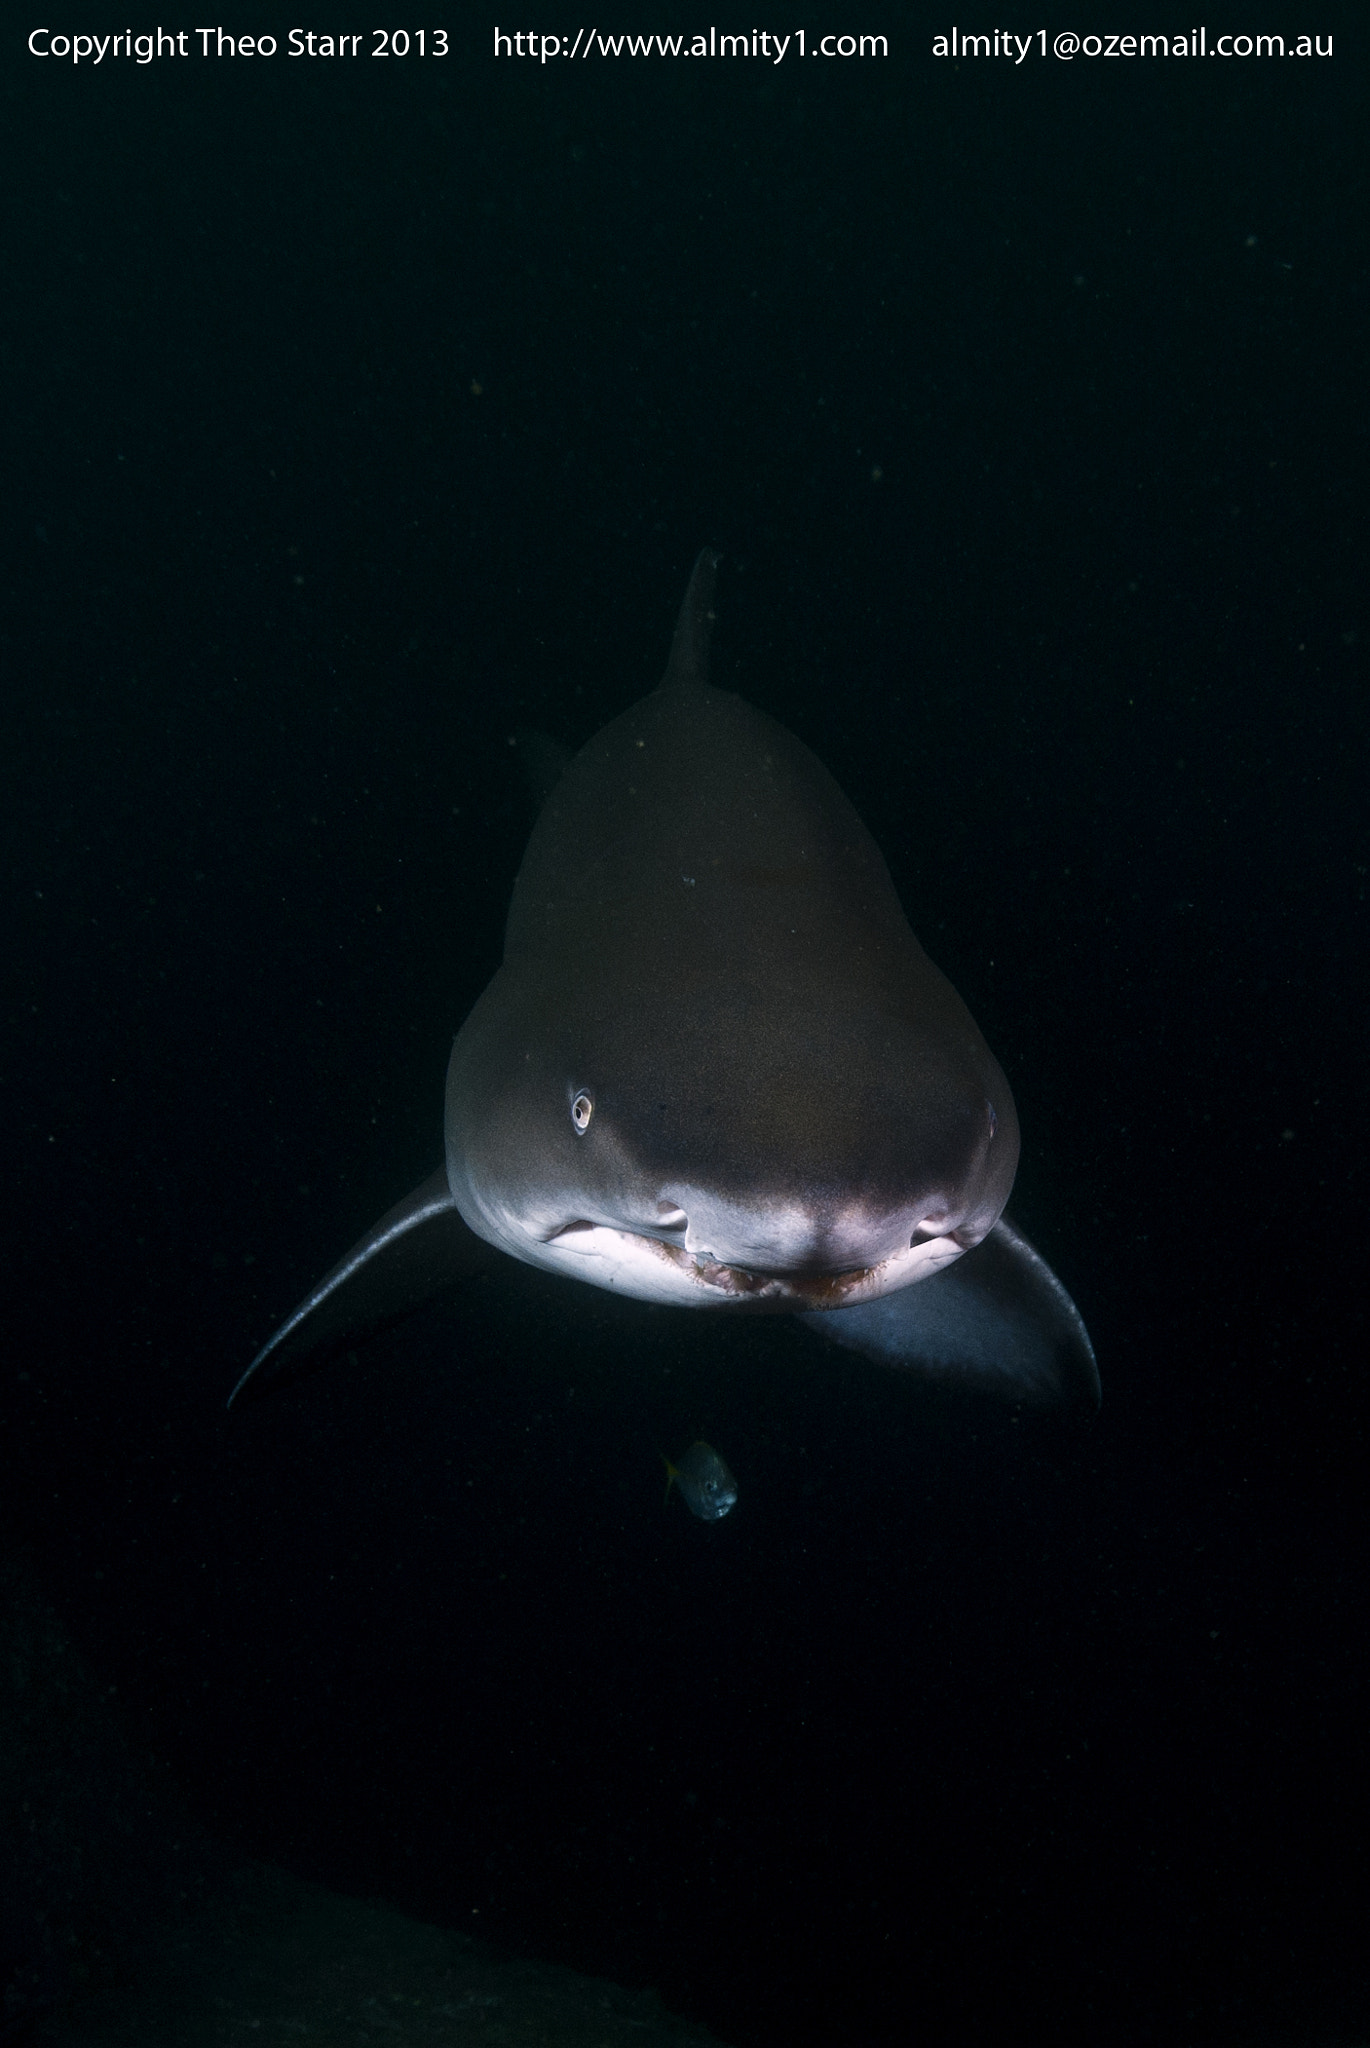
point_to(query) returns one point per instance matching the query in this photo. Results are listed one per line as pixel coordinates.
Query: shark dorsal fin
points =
(688, 667)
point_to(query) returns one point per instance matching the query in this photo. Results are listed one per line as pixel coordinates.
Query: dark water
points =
(362, 412)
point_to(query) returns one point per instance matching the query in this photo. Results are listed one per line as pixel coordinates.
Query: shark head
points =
(716, 1066)
(757, 1152)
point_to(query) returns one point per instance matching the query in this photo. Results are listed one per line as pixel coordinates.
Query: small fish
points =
(706, 1485)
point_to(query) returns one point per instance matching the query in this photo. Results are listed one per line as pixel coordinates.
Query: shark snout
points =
(783, 1237)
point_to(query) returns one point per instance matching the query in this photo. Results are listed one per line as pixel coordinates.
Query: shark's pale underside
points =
(717, 1069)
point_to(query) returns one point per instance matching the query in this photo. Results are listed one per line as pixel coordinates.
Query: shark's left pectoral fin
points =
(998, 1319)
(419, 1248)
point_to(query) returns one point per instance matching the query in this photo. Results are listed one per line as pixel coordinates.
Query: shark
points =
(716, 1070)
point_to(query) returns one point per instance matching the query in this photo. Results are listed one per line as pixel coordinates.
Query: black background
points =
(361, 412)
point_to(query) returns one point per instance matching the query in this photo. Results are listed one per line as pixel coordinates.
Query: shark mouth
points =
(632, 1263)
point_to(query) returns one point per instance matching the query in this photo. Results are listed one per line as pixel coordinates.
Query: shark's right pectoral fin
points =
(998, 1319)
(419, 1248)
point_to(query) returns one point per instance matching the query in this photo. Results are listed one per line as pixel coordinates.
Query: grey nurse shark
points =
(716, 1069)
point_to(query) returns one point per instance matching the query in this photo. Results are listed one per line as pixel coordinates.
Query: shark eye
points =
(582, 1109)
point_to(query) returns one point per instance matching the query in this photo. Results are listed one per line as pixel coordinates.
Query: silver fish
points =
(707, 1487)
